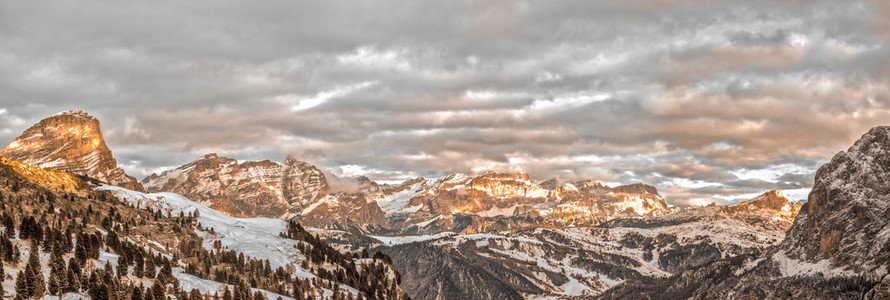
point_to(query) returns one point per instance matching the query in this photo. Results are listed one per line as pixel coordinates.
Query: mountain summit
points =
(847, 217)
(248, 189)
(838, 246)
(287, 190)
(70, 141)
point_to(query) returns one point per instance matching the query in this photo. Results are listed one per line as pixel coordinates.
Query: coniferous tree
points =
(107, 272)
(166, 274)
(34, 274)
(195, 295)
(96, 287)
(53, 286)
(136, 294)
(243, 289)
(138, 264)
(149, 268)
(21, 286)
(80, 252)
(57, 272)
(122, 266)
(9, 223)
(74, 274)
(158, 292)
(259, 296)
(227, 294)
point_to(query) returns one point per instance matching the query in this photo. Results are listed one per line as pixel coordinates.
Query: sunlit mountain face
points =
(666, 149)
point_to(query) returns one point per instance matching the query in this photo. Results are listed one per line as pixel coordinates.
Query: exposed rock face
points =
(50, 179)
(249, 189)
(290, 189)
(70, 141)
(345, 211)
(837, 248)
(770, 211)
(847, 217)
(498, 201)
(880, 291)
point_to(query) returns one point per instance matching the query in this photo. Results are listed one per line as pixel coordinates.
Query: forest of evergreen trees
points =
(72, 230)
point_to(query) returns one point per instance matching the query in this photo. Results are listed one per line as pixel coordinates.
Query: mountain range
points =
(502, 235)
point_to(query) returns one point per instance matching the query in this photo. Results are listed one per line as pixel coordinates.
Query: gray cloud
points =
(686, 95)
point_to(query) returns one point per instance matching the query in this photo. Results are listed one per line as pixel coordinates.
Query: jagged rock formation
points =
(497, 201)
(837, 248)
(847, 217)
(768, 211)
(345, 211)
(70, 141)
(583, 261)
(290, 189)
(249, 189)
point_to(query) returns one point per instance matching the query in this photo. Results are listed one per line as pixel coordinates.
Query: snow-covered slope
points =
(582, 261)
(291, 189)
(248, 189)
(569, 262)
(255, 237)
(837, 248)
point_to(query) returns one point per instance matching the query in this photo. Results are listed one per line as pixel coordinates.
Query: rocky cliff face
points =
(290, 189)
(837, 248)
(498, 201)
(70, 141)
(345, 211)
(770, 211)
(249, 189)
(847, 217)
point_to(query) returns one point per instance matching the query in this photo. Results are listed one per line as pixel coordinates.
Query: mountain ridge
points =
(836, 248)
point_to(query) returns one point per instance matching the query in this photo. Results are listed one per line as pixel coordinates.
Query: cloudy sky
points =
(707, 100)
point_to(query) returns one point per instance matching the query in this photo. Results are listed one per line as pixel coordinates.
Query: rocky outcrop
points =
(248, 189)
(837, 248)
(70, 141)
(344, 211)
(770, 211)
(503, 201)
(847, 216)
(292, 189)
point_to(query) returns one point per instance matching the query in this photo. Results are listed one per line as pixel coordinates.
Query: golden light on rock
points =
(273, 188)
(49, 178)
